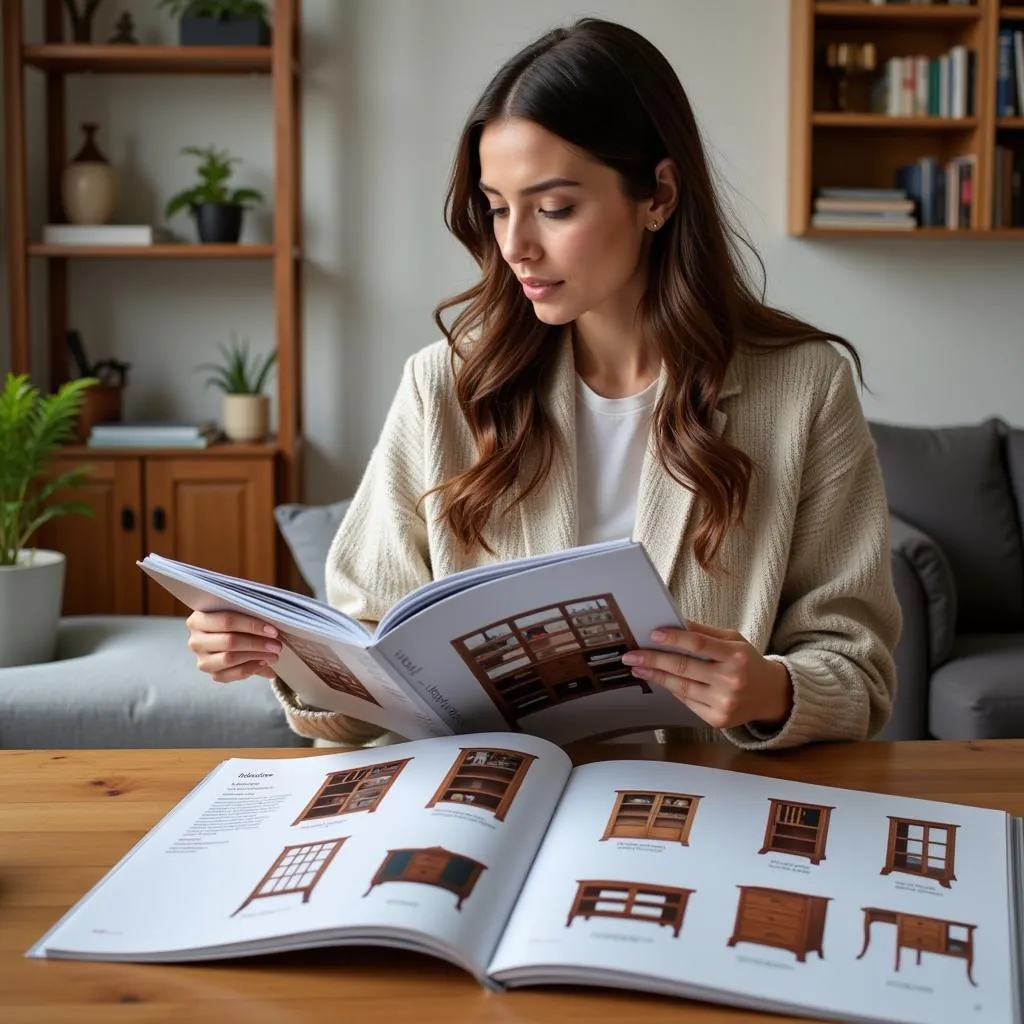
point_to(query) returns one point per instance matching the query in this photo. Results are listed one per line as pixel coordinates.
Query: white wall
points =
(386, 86)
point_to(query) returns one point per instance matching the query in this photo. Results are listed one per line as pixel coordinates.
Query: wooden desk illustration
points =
(545, 656)
(430, 865)
(924, 934)
(777, 917)
(485, 778)
(639, 901)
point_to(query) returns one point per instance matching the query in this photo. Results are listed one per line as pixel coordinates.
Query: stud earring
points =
(654, 225)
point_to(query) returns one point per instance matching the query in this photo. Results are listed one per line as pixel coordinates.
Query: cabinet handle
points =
(127, 520)
(159, 519)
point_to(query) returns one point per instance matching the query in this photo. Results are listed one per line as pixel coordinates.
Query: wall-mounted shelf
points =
(98, 59)
(182, 251)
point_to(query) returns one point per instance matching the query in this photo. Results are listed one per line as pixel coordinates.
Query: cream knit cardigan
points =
(805, 578)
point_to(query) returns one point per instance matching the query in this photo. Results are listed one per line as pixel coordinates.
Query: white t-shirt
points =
(611, 438)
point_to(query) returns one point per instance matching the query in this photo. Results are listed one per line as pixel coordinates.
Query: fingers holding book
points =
(229, 646)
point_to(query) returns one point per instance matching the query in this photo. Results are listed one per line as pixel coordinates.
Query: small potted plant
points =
(217, 209)
(245, 410)
(220, 22)
(32, 579)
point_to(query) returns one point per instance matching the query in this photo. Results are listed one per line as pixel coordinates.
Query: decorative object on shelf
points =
(102, 402)
(81, 19)
(245, 410)
(124, 30)
(844, 63)
(220, 22)
(216, 208)
(88, 184)
(32, 427)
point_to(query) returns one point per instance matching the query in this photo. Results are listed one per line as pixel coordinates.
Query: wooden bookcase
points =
(779, 918)
(358, 789)
(485, 778)
(923, 848)
(798, 829)
(637, 901)
(651, 814)
(144, 499)
(432, 865)
(297, 869)
(545, 656)
(860, 149)
(327, 666)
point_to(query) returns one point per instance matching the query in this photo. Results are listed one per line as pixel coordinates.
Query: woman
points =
(612, 373)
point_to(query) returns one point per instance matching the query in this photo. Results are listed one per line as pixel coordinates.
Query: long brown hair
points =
(608, 91)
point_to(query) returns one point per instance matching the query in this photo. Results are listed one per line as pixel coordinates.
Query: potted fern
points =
(32, 580)
(245, 410)
(220, 22)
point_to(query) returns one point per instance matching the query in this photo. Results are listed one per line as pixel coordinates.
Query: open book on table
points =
(533, 645)
(492, 852)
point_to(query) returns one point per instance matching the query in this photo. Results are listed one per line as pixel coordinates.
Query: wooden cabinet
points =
(650, 814)
(296, 870)
(358, 789)
(432, 865)
(799, 829)
(777, 917)
(924, 935)
(923, 848)
(488, 779)
(214, 511)
(638, 901)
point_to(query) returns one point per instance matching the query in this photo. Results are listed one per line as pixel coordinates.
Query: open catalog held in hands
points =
(493, 852)
(533, 645)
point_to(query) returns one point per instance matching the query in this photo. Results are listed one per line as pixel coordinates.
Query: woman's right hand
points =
(230, 646)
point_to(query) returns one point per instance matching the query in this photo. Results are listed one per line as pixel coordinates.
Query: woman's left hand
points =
(718, 675)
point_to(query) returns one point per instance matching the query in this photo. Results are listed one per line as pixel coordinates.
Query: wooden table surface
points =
(67, 816)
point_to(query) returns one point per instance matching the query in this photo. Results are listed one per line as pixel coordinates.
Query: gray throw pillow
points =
(308, 531)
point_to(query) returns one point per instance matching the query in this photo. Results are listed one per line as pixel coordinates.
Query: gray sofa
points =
(956, 496)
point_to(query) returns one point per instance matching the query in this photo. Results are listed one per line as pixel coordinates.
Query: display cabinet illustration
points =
(923, 848)
(358, 789)
(484, 778)
(297, 869)
(430, 865)
(545, 656)
(925, 935)
(327, 666)
(651, 814)
(779, 918)
(638, 901)
(800, 829)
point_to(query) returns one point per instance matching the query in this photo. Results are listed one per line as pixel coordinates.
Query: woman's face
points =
(571, 235)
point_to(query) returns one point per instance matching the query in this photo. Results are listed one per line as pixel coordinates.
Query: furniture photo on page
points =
(923, 848)
(488, 779)
(327, 666)
(925, 935)
(637, 901)
(651, 814)
(297, 869)
(431, 865)
(358, 789)
(545, 656)
(799, 829)
(779, 918)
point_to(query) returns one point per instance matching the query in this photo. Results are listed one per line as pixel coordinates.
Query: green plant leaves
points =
(235, 376)
(214, 171)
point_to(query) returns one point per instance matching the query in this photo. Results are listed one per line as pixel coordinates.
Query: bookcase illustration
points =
(357, 789)
(326, 665)
(484, 778)
(651, 814)
(923, 848)
(924, 935)
(782, 919)
(298, 868)
(430, 865)
(637, 901)
(545, 656)
(799, 829)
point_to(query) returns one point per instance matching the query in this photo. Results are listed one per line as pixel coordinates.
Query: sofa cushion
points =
(308, 531)
(979, 693)
(951, 483)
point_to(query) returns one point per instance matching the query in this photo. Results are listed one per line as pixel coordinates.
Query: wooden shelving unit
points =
(652, 814)
(356, 789)
(797, 829)
(488, 779)
(861, 149)
(634, 901)
(146, 500)
(923, 848)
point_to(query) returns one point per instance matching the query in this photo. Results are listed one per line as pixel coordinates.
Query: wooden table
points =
(67, 816)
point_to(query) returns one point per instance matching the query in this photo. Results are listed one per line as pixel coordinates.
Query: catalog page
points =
(425, 842)
(540, 652)
(769, 893)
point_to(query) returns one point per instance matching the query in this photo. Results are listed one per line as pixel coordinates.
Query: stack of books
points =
(868, 209)
(154, 434)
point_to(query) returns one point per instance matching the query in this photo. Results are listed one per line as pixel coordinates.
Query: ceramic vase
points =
(88, 184)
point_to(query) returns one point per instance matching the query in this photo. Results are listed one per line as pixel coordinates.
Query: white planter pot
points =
(246, 417)
(31, 594)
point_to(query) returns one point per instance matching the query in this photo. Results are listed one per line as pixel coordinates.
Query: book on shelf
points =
(492, 852)
(532, 645)
(153, 434)
(105, 234)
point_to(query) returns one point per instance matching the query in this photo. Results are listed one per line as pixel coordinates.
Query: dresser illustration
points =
(635, 901)
(297, 869)
(923, 848)
(651, 814)
(545, 656)
(779, 918)
(488, 778)
(796, 828)
(430, 865)
(357, 789)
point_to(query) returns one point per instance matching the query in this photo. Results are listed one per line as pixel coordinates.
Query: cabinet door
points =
(102, 577)
(212, 512)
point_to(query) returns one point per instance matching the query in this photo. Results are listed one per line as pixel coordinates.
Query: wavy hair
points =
(607, 90)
